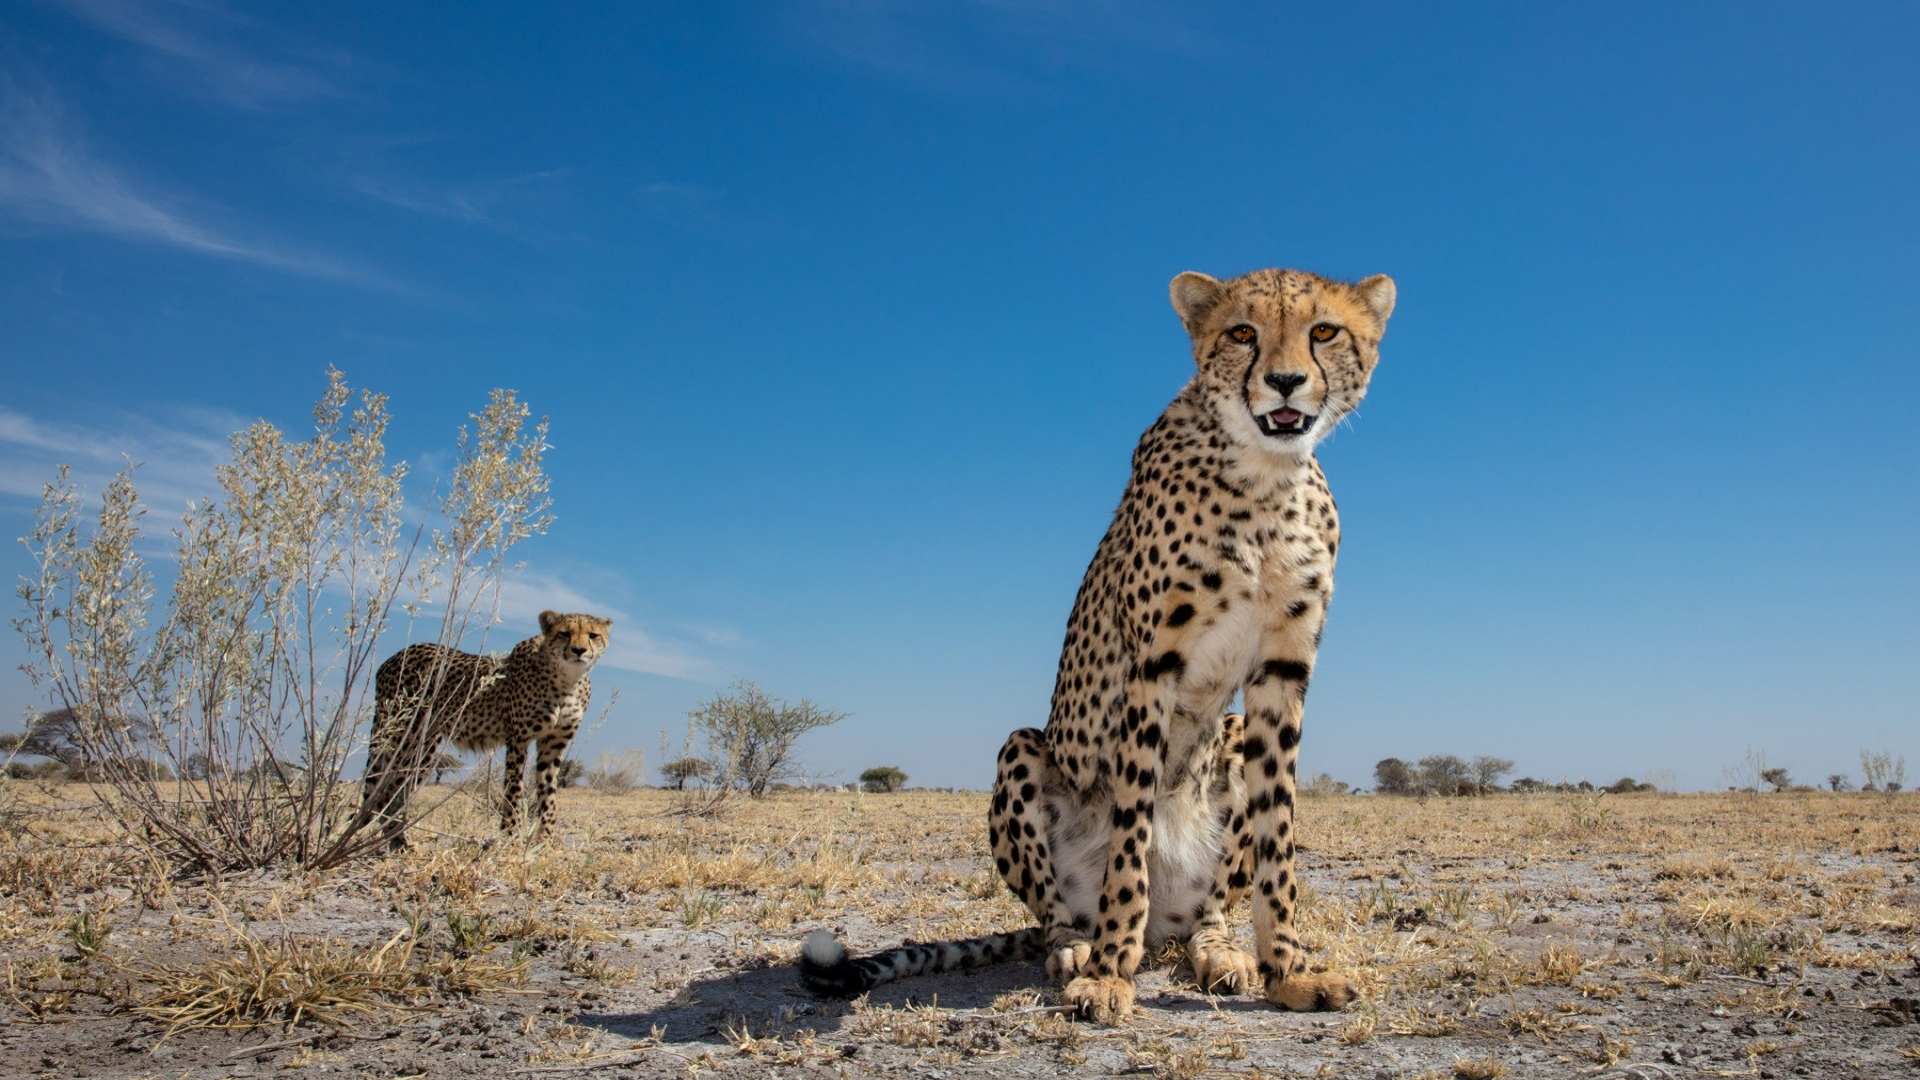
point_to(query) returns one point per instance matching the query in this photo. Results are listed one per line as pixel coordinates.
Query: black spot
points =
(1181, 615)
(1168, 662)
(1291, 670)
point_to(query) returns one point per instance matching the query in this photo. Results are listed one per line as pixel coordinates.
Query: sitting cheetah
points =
(425, 694)
(1129, 820)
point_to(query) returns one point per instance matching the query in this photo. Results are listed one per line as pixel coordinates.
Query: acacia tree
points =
(255, 667)
(750, 735)
(52, 734)
(1391, 776)
(883, 779)
(678, 772)
(1444, 774)
(1487, 772)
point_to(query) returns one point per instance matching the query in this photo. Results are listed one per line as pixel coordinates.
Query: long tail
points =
(825, 967)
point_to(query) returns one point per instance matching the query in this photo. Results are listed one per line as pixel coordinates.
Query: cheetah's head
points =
(574, 640)
(1283, 354)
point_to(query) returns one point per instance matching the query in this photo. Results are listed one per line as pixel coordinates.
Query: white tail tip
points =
(822, 950)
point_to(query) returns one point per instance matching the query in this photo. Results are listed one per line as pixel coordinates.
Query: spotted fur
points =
(1143, 812)
(428, 694)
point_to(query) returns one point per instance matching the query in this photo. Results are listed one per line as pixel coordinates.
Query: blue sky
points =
(847, 315)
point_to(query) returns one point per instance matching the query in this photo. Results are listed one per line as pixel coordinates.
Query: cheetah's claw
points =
(1069, 959)
(1223, 969)
(1103, 999)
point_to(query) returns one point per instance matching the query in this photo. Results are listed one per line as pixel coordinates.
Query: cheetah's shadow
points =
(770, 1001)
(767, 1001)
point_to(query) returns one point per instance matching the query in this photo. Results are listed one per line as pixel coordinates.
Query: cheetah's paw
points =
(1223, 969)
(1103, 999)
(1069, 959)
(1310, 993)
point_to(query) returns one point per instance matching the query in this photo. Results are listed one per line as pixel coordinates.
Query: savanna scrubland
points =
(1634, 935)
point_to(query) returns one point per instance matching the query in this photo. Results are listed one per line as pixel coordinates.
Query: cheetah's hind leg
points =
(1020, 833)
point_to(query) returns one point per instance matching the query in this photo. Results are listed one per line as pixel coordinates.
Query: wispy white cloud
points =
(194, 38)
(177, 449)
(508, 204)
(49, 176)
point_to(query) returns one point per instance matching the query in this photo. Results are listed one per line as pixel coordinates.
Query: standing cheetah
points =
(425, 694)
(1142, 813)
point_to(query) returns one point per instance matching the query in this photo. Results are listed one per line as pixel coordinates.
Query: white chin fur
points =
(822, 949)
(1243, 429)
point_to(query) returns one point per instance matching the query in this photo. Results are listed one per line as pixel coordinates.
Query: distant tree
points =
(750, 735)
(570, 772)
(44, 770)
(883, 778)
(52, 734)
(1391, 776)
(1444, 774)
(1839, 782)
(677, 773)
(1776, 778)
(1627, 785)
(199, 766)
(1881, 771)
(1527, 785)
(1487, 772)
(1325, 784)
(444, 763)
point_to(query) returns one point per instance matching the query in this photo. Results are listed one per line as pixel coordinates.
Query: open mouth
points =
(1283, 422)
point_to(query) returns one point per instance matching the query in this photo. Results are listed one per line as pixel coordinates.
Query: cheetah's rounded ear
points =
(1194, 294)
(547, 619)
(1377, 293)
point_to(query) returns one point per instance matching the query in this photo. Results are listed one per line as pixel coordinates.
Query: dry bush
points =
(250, 678)
(617, 774)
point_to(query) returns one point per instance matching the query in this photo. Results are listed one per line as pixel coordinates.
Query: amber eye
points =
(1324, 332)
(1243, 334)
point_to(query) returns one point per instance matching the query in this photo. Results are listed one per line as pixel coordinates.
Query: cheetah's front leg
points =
(546, 778)
(510, 787)
(1220, 965)
(1276, 702)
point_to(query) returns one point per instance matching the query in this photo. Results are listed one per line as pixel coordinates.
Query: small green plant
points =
(1452, 904)
(88, 932)
(469, 931)
(698, 907)
(1588, 811)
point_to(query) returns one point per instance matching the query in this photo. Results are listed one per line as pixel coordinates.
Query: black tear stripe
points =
(1326, 384)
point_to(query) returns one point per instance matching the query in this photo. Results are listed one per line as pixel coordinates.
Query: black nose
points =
(579, 650)
(1286, 384)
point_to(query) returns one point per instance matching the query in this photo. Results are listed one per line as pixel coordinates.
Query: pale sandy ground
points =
(1555, 935)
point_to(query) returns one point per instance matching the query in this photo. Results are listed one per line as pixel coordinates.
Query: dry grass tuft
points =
(293, 980)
